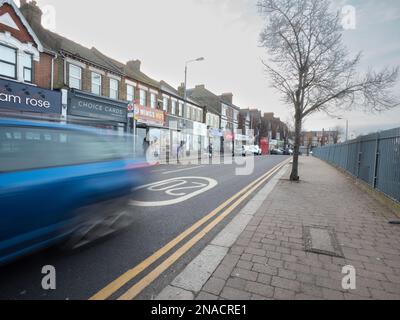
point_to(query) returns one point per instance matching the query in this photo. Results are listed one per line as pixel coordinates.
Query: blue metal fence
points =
(374, 159)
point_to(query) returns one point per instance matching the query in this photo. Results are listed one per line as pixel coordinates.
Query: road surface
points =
(162, 212)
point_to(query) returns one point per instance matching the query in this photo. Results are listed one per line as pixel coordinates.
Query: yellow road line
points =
(148, 279)
(117, 284)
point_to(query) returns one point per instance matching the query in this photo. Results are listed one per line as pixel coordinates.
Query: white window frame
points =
(98, 85)
(143, 97)
(165, 103)
(153, 100)
(180, 108)
(114, 90)
(173, 107)
(79, 79)
(10, 63)
(129, 97)
(25, 68)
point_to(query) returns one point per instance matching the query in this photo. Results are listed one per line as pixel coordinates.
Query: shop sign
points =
(199, 129)
(216, 133)
(96, 107)
(24, 97)
(148, 115)
(228, 135)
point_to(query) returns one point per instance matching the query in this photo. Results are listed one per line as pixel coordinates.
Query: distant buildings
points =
(314, 139)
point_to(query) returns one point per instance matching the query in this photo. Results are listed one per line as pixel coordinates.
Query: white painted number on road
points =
(177, 190)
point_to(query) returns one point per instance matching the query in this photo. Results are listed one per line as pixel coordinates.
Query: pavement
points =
(118, 263)
(293, 240)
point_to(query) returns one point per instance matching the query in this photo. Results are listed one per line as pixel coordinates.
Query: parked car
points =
(277, 151)
(288, 152)
(251, 150)
(61, 183)
(256, 150)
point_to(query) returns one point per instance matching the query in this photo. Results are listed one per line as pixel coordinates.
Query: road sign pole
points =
(134, 137)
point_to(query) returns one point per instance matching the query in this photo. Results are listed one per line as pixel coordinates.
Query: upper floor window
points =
(96, 83)
(224, 110)
(181, 109)
(8, 62)
(143, 97)
(165, 103)
(130, 93)
(173, 107)
(27, 62)
(153, 101)
(113, 89)
(75, 77)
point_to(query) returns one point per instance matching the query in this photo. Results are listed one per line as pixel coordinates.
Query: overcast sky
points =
(164, 34)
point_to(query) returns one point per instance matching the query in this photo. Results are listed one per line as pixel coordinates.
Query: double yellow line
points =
(136, 289)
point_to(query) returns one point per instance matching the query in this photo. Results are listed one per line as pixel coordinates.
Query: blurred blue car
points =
(62, 182)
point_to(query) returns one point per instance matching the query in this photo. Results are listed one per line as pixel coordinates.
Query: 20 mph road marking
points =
(117, 284)
(178, 188)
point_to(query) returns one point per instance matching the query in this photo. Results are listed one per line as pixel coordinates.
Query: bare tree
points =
(338, 131)
(311, 67)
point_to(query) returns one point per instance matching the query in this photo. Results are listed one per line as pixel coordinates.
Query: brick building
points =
(315, 139)
(26, 67)
(224, 107)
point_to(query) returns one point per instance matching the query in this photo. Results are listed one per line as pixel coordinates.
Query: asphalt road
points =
(162, 212)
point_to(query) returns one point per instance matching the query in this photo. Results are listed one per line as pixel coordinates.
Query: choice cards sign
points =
(87, 105)
(23, 97)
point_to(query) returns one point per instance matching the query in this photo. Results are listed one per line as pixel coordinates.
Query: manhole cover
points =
(322, 240)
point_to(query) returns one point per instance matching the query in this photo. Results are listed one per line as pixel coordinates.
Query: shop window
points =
(96, 83)
(75, 77)
(130, 93)
(153, 101)
(8, 62)
(114, 89)
(27, 61)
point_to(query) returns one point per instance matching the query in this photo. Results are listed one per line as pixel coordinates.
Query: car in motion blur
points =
(62, 183)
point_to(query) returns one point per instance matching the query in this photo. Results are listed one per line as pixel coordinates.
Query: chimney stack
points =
(134, 65)
(31, 11)
(181, 89)
(227, 97)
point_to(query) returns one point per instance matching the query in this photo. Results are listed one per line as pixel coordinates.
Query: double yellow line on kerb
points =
(128, 276)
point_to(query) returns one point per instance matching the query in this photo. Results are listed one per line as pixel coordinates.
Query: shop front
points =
(150, 133)
(188, 138)
(100, 112)
(215, 136)
(177, 137)
(228, 142)
(24, 100)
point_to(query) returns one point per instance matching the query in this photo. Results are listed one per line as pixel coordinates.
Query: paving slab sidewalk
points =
(269, 259)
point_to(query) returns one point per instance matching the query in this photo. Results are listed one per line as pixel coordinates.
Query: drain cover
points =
(322, 240)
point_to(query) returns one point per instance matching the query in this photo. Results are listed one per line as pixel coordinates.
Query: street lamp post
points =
(185, 87)
(186, 71)
(347, 128)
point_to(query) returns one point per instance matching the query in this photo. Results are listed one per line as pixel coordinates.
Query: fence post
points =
(377, 153)
(359, 144)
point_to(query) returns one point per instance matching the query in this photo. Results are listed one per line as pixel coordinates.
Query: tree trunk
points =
(295, 169)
